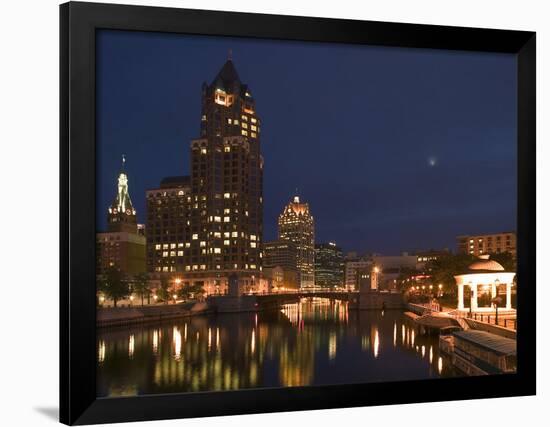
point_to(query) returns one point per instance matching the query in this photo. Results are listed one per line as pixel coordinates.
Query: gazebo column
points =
(473, 302)
(508, 296)
(460, 297)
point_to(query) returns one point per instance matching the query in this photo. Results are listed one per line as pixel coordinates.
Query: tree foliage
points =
(163, 292)
(188, 291)
(141, 286)
(114, 286)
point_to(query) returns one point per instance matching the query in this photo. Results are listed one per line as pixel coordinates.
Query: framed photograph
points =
(267, 213)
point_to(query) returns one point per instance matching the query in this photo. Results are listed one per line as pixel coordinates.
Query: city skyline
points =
(365, 218)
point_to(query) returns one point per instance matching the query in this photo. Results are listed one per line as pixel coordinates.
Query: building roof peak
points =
(227, 74)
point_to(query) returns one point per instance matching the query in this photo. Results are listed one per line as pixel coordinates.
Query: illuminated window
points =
(165, 254)
(217, 219)
(217, 234)
(226, 242)
(253, 134)
(157, 246)
(203, 118)
(203, 267)
(253, 128)
(195, 236)
(226, 195)
(202, 244)
(165, 246)
(172, 245)
(229, 121)
(243, 132)
(252, 244)
(253, 120)
(253, 266)
(187, 244)
(227, 149)
(217, 250)
(195, 267)
(244, 118)
(226, 219)
(203, 150)
(180, 245)
(252, 237)
(180, 253)
(235, 234)
(244, 126)
(172, 253)
(227, 211)
(187, 267)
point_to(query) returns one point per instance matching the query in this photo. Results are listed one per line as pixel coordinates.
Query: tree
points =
(188, 291)
(445, 268)
(506, 259)
(164, 292)
(114, 286)
(141, 286)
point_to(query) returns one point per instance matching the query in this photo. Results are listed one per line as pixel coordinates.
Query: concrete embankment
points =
(147, 314)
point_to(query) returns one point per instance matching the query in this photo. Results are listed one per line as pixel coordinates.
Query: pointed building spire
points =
(123, 161)
(230, 54)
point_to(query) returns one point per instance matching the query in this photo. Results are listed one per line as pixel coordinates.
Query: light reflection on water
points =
(313, 342)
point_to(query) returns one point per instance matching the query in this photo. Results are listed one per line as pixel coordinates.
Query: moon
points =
(432, 161)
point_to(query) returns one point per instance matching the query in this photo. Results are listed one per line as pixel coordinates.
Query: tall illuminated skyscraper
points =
(296, 224)
(221, 222)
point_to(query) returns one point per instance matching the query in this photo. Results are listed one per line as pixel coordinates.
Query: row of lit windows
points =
(203, 267)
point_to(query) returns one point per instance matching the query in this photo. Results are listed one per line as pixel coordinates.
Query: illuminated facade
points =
(169, 225)
(296, 225)
(211, 224)
(122, 246)
(329, 265)
(487, 244)
(280, 264)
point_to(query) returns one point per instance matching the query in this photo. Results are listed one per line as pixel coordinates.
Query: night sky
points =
(394, 149)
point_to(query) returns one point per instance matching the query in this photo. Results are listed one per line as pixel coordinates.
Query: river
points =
(314, 342)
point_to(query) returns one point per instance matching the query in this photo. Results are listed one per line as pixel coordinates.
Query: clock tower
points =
(122, 215)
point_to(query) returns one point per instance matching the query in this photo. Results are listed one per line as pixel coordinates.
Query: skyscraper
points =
(121, 247)
(221, 226)
(296, 224)
(329, 265)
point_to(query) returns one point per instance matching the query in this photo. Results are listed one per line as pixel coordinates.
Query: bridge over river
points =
(261, 301)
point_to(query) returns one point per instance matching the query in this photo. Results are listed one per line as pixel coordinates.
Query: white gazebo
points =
(488, 274)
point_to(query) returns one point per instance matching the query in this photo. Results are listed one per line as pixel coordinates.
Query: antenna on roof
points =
(230, 54)
(123, 160)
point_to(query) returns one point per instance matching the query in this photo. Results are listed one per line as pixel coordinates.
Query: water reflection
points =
(308, 343)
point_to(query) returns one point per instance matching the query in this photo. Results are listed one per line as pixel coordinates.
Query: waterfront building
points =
(487, 243)
(280, 264)
(296, 224)
(392, 266)
(211, 224)
(351, 268)
(169, 226)
(424, 257)
(329, 265)
(488, 277)
(121, 246)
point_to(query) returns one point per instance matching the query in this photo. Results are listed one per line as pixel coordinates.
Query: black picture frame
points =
(78, 25)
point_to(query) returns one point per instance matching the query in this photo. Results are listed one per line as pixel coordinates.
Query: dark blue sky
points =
(355, 128)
